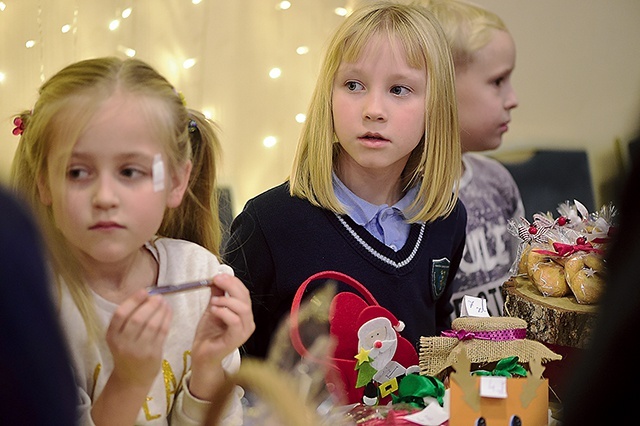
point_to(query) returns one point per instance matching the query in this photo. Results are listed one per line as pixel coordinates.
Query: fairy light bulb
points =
(275, 72)
(341, 11)
(269, 141)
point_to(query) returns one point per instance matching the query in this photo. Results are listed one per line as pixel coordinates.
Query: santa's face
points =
(379, 338)
(377, 334)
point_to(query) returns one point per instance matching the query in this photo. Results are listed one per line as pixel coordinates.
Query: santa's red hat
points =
(373, 312)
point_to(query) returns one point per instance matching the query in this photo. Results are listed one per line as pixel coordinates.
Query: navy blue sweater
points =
(278, 241)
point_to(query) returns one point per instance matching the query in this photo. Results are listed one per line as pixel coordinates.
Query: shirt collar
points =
(361, 211)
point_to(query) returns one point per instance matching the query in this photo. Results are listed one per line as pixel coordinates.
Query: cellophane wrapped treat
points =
(564, 255)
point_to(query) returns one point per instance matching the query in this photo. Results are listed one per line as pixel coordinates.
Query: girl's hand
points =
(136, 337)
(224, 326)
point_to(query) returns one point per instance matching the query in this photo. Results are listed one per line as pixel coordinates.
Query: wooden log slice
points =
(555, 320)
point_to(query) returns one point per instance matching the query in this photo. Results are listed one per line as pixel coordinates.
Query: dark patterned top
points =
(491, 198)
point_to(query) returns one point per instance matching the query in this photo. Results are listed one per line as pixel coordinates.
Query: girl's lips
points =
(377, 136)
(373, 143)
(373, 139)
(106, 225)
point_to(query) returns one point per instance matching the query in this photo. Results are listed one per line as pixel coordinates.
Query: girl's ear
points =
(179, 183)
(43, 191)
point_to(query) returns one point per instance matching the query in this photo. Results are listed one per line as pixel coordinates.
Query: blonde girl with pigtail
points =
(122, 178)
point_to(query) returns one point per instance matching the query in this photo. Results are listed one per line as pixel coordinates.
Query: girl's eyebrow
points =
(351, 68)
(134, 155)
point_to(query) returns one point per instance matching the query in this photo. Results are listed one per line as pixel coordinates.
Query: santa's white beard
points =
(382, 355)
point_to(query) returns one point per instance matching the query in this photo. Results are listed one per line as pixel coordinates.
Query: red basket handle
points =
(294, 330)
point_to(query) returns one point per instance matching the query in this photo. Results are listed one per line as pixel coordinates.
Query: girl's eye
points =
(132, 173)
(77, 173)
(499, 81)
(400, 90)
(353, 86)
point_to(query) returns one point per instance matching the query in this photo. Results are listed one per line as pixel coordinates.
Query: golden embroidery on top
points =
(147, 413)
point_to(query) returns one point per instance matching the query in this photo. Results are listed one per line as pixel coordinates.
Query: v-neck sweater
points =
(278, 241)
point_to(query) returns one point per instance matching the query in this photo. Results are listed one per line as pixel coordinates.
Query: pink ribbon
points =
(494, 335)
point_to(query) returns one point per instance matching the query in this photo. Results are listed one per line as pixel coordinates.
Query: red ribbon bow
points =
(564, 250)
(567, 249)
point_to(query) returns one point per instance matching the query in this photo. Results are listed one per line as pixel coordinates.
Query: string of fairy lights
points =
(126, 13)
(54, 35)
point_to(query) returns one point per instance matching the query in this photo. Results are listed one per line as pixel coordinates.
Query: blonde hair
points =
(66, 104)
(468, 27)
(435, 164)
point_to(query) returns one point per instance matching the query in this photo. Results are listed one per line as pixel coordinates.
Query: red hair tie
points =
(19, 126)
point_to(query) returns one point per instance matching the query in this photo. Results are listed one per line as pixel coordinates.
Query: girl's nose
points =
(374, 108)
(104, 196)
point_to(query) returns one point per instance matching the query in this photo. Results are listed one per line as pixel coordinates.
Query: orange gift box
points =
(526, 399)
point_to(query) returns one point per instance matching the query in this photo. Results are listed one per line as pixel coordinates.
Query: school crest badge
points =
(439, 274)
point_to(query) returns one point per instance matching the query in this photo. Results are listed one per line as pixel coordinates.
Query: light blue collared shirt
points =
(385, 223)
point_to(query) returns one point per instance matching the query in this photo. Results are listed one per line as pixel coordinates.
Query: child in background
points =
(372, 191)
(484, 55)
(121, 175)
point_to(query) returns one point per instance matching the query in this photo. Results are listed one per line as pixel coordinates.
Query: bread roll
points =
(547, 275)
(584, 275)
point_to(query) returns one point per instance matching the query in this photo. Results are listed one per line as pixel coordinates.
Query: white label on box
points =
(473, 307)
(493, 386)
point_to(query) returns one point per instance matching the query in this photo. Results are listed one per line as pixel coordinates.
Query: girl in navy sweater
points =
(373, 187)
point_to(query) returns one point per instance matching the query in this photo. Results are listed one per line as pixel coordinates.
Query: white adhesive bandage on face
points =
(158, 173)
